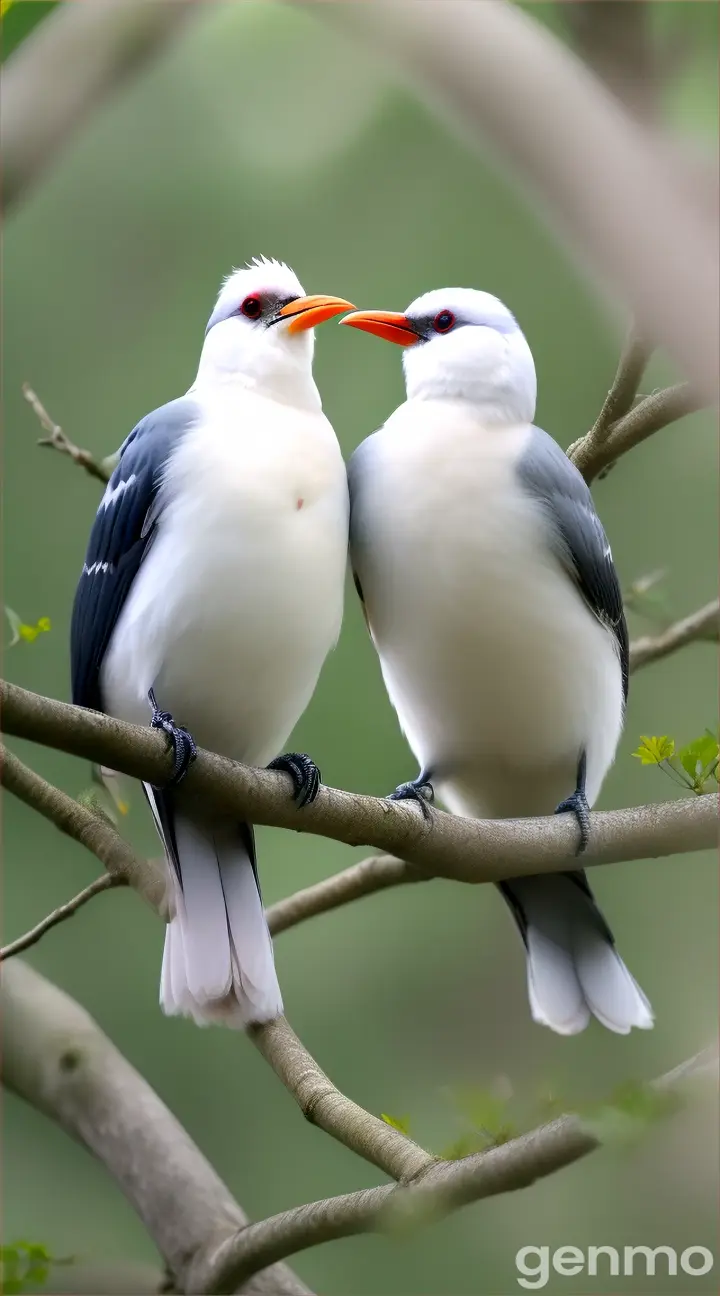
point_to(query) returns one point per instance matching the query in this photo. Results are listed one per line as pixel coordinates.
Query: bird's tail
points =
(218, 961)
(573, 967)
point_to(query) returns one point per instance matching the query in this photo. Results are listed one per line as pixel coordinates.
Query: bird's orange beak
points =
(385, 324)
(306, 312)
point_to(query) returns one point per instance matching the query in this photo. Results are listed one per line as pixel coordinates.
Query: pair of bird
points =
(212, 591)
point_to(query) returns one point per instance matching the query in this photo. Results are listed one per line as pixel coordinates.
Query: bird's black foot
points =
(420, 790)
(304, 773)
(577, 804)
(182, 743)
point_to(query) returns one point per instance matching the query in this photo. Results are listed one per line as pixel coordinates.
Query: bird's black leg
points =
(420, 790)
(182, 743)
(577, 804)
(304, 773)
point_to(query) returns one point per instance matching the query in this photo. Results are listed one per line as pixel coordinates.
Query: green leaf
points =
(466, 1145)
(25, 1266)
(630, 1110)
(485, 1110)
(92, 799)
(653, 751)
(19, 17)
(21, 631)
(400, 1123)
(699, 756)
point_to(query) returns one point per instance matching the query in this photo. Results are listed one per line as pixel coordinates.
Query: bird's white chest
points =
(489, 653)
(240, 597)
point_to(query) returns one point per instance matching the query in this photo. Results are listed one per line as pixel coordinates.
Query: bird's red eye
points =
(444, 321)
(252, 308)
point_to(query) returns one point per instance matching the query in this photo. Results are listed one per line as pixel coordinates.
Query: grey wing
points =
(357, 471)
(121, 535)
(582, 545)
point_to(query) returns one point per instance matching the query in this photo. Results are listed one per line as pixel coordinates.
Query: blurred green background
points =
(260, 132)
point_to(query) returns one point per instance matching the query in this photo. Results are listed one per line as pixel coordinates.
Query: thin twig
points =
(621, 425)
(377, 873)
(93, 831)
(321, 1102)
(632, 364)
(324, 1105)
(439, 1190)
(701, 625)
(59, 441)
(56, 1057)
(470, 850)
(104, 883)
(593, 455)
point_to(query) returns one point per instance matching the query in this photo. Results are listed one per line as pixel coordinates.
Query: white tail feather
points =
(202, 915)
(612, 993)
(554, 991)
(218, 963)
(573, 968)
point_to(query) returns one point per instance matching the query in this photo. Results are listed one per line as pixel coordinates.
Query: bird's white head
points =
(260, 333)
(461, 344)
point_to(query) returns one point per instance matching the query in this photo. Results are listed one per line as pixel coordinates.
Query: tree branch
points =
(92, 831)
(59, 441)
(57, 1058)
(632, 364)
(441, 1189)
(593, 454)
(325, 1106)
(377, 873)
(703, 624)
(469, 850)
(104, 883)
(72, 62)
(626, 212)
(616, 40)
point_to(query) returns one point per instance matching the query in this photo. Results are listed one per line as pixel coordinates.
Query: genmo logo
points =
(534, 1264)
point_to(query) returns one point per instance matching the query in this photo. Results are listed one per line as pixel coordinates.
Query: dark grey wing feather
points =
(582, 545)
(120, 537)
(356, 468)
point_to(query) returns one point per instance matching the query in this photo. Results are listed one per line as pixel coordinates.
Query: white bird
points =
(212, 591)
(493, 602)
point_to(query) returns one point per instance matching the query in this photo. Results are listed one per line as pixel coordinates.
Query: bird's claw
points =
(577, 804)
(182, 743)
(419, 790)
(304, 773)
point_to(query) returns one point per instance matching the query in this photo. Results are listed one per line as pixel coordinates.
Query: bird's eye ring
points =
(251, 308)
(444, 321)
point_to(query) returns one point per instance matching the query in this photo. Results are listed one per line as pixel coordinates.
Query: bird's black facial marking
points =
(275, 306)
(264, 307)
(444, 321)
(428, 326)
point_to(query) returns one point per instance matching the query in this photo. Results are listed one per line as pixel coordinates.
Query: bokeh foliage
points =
(259, 132)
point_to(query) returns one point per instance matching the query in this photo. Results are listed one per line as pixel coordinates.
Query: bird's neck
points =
(487, 410)
(272, 374)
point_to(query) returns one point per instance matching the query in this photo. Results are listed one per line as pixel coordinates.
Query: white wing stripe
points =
(114, 492)
(97, 568)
